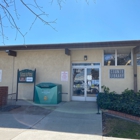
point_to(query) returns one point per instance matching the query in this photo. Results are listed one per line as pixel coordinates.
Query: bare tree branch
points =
(6, 3)
(38, 16)
(1, 29)
(6, 13)
(59, 2)
(39, 7)
(16, 10)
(5, 6)
(9, 16)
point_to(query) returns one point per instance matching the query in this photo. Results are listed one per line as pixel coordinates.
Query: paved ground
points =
(67, 121)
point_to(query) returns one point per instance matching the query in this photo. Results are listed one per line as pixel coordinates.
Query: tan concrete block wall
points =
(48, 64)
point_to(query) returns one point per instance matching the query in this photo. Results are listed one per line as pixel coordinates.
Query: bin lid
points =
(46, 85)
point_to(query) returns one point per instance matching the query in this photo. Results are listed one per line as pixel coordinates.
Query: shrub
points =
(127, 102)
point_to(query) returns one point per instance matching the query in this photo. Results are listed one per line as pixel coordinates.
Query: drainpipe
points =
(135, 70)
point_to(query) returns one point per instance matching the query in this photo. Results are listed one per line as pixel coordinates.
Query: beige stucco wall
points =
(117, 85)
(96, 55)
(48, 65)
(6, 65)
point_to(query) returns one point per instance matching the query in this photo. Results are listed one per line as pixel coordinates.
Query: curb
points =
(122, 115)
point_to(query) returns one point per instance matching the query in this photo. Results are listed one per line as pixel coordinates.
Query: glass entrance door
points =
(78, 83)
(86, 83)
(92, 78)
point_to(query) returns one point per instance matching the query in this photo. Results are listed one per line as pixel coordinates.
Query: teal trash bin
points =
(48, 93)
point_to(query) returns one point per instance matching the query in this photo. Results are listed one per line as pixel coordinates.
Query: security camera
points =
(11, 53)
(7, 51)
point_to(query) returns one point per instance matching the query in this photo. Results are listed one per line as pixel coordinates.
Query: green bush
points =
(127, 102)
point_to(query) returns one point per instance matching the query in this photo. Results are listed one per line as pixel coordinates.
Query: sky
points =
(77, 21)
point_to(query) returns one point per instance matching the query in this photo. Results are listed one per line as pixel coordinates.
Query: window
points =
(138, 59)
(86, 64)
(124, 57)
(109, 57)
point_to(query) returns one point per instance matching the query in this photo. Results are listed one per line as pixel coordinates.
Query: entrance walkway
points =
(68, 121)
(73, 117)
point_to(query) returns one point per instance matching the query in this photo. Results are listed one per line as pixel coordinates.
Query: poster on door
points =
(0, 75)
(64, 76)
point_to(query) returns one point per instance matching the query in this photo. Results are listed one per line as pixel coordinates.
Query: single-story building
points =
(81, 68)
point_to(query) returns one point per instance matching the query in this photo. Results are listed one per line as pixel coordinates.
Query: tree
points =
(6, 13)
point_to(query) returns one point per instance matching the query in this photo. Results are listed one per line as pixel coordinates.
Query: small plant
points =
(105, 89)
(113, 92)
(128, 91)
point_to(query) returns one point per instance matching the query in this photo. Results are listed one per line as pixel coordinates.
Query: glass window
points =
(109, 57)
(85, 64)
(138, 59)
(96, 64)
(81, 64)
(124, 57)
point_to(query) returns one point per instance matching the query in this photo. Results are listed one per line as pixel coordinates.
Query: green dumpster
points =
(48, 93)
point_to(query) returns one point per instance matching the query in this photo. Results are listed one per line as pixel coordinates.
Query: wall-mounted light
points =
(85, 57)
(12, 53)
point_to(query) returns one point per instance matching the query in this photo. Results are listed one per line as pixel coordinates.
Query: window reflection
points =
(124, 57)
(78, 82)
(109, 57)
(92, 82)
(138, 59)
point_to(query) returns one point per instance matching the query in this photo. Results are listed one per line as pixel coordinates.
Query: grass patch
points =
(116, 127)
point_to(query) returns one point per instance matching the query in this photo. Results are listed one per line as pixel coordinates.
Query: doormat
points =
(8, 108)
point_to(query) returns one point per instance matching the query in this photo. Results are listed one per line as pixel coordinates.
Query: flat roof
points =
(72, 45)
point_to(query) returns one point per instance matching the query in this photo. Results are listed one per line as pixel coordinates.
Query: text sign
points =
(116, 73)
(26, 76)
(64, 76)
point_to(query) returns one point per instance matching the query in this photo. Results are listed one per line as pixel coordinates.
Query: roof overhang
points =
(73, 45)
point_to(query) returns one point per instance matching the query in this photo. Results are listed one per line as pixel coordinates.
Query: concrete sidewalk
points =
(67, 121)
(77, 120)
(73, 117)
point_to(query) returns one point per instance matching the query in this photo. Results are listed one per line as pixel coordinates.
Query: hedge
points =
(127, 102)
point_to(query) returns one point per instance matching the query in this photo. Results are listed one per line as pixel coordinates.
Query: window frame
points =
(137, 63)
(104, 58)
(116, 58)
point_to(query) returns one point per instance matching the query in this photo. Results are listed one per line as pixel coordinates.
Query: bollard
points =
(98, 112)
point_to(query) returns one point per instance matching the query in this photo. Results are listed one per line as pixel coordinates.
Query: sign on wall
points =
(116, 73)
(64, 76)
(26, 76)
(0, 75)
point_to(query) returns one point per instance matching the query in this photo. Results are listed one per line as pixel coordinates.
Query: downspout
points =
(135, 70)
(13, 74)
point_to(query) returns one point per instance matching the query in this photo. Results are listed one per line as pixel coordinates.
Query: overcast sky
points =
(77, 21)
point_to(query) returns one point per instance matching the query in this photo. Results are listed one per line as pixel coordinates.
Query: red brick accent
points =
(124, 115)
(3, 95)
